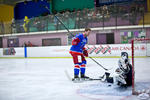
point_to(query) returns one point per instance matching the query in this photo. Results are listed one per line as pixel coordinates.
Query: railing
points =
(77, 20)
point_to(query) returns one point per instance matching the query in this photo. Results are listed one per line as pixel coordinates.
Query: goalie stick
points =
(70, 33)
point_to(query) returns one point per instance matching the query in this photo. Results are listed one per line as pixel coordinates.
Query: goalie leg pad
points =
(119, 79)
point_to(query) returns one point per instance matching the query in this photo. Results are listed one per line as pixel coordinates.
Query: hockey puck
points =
(109, 85)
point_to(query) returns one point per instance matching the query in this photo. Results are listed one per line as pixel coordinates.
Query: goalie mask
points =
(124, 55)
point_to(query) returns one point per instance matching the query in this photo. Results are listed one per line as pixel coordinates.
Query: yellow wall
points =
(6, 13)
(148, 5)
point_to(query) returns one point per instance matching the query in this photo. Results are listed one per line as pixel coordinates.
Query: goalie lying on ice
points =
(123, 74)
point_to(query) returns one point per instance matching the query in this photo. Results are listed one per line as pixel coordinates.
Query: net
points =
(140, 65)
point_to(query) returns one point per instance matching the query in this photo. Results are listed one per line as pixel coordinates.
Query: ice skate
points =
(83, 77)
(76, 78)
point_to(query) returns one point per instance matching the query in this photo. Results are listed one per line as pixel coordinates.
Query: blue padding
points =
(25, 51)
(30, 9)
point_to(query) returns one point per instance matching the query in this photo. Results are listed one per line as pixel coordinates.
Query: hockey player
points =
(123, 74)
(78, 52)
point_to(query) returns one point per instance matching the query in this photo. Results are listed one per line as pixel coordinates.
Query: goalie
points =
(123, 74)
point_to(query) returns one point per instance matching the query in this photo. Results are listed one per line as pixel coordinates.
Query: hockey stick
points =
(68, 76)
(58, 20)
(90, 79)
(99, 64)
(70, 33)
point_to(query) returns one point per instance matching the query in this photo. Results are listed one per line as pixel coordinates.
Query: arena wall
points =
(114, 50)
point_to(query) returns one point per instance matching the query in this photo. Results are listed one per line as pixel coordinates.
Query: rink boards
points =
(109, 50)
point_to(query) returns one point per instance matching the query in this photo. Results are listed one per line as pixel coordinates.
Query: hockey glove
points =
(85, 53)
(75, 41)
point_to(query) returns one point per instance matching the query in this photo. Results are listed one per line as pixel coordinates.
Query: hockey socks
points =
(76, 70)
(82, 69)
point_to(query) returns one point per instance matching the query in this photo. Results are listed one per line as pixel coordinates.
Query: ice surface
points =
(45, 79)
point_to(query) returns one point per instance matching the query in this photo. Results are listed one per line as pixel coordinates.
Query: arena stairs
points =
(146, 19)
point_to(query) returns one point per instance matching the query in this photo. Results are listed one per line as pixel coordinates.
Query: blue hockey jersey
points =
(80, 45)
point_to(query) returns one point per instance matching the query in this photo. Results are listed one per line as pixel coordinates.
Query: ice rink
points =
(46, 79)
